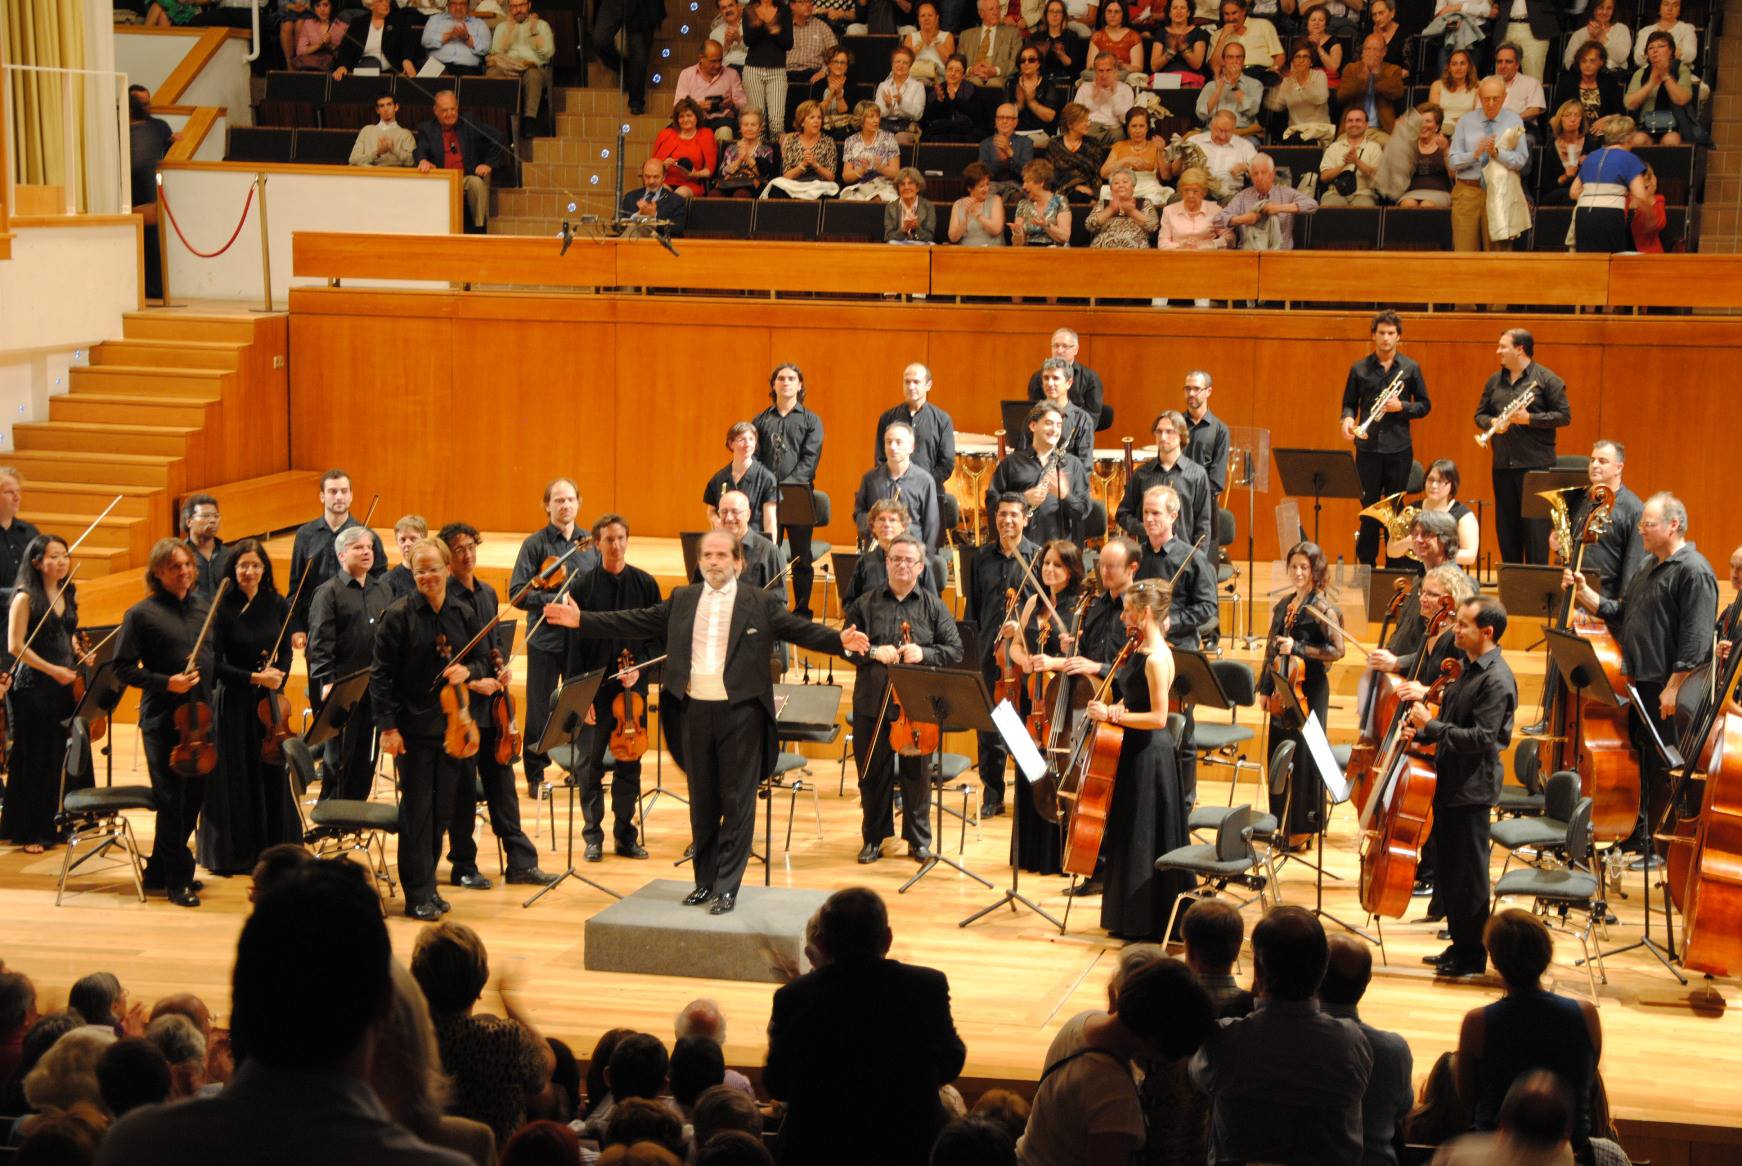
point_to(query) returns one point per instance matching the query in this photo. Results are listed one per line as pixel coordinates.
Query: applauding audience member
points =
(1389, 1088)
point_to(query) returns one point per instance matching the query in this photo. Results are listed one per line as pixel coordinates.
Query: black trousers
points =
(1187, 762)
(1380, 474)
(1521, 540)
(803, 572)
(1461, 848)
(993, 756)
(637, 45)
(625, 781)
(427, 779)
(350, 757)
(544, 668)
(1653, 772)
(483, 778)
(877, 785)
(723, 743)
(178, 809)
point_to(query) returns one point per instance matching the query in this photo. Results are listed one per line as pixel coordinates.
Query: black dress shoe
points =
(427, 911)
(992, 811)
(1458, 969)
(531, 876)
(631, 850)
(472, 881)
(153, 882)
(919, 853)
(872, 852)
(443, 905)
(1085, 889)
(1434, 961)
(723, 904)
(595, 852)
(184, 896)
(1421, 887)
(1443, 933)
(698, 896)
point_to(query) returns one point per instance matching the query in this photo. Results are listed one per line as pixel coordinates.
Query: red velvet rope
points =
(163, 195)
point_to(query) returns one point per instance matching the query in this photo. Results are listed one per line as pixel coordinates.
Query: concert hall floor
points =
(1014, 979)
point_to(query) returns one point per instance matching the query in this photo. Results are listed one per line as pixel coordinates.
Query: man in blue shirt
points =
(1475, 142)
(459, 40)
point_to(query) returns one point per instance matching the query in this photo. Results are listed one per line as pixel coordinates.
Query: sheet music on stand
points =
(1249, 457)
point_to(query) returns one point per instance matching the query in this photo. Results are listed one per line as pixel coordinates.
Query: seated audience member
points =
(1648, 218)
(1142, 155)
(1114, 35)
(859, 1047)
(183, 1048)
(522, 47)
(717, 91)
(1008, 1109)
(1390, 1085)
(952, 111)
(1439, 1114)
(807, 158)
(1042, 218)
(1106, 99)
(1032, 98)
(1413, 165)
(688, 150)
(931, 43)
(1180, 45)
(642, 1119)
(598, 1097)
(727, 30)
(449, 143)
(63, 1139)
(1190, 223)
(562, 1101)
(1063, 44)
(1286, 1083)
(702, 1017)
(384, 142)
(697, 1064)
(1382, 22)
(1260, 47)
(991, 45)
(1569, 144)
(100, 999)
(1123, 220)
(639, 1154)
(542, 1143)
(1350, 164)
(1663, 96)
(721, 1107)
(407, 1076)
(67, 1073)
(1227, 156)
(458, 39)
(1589, 82)
(870, 158)
(1535, 1124)
(318, 37)
(1669, 22)
(977, 218)
(1262, 215)
(911, 218)
(1524, 95)
(654, 200)
(1176, 1114)
(1527, 1028)
(1232, 91)
(38, 1039)
(1327, 50)
(637, 1068)
(384, 39)
(1074, 156)
(974, 1141)
(1213, 932)
(733, 1148)
(812, 41)
(900, 96)
(130, 1073)
(1373, 85)
(276, 865)
(1085, 1107)
(17, 1014)
(1303, 92)
(497, 1063)
(302, 1053)
(833, 95)
(1454, 91)
(747, 162)
(1006, 154)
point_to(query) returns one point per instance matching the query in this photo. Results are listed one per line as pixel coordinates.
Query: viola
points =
(629, 738)
(460, 736)
(1391, 847)
(1009, 685)
(194, 754)
(908, 737)
(1088, 789)
(553, 573)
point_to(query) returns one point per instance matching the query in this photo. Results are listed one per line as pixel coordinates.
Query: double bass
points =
(1401, 816)
(1086, 790)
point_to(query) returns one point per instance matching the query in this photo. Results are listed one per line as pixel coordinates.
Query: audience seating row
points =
(299, 100)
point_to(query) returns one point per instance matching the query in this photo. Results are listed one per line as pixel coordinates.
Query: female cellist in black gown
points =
(42, 694)
(1308, 639)
(1147, 817)
(248, 806)
(1061, 573)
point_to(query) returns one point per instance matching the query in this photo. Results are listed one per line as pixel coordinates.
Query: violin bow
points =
(212, 611)
(370, 513)
(1181, 570)
(288, 615)
(491, 624)
(1039, 591)
(31, 638)
(74, 545)
(1334, 626)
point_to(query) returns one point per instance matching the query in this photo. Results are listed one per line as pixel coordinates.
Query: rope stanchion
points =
(163, 196)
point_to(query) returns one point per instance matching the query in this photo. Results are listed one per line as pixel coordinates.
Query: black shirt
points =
(342, 623)
(871, 572)
(1194, 591)
(792, 445)
(934, 438)
(1665, 615)
(1052, 518)
(1617, 554)
(994, 574)
(209, 570)
(880, 616)
(1524, 446)
(1103, 632)
(1197, 505)
(1207, 444)
(916, 489)
(538, 547)
(599, 590)
(1085, 391)
(313, 551)
(481, 598)
(757, 484)
(401, 582)
(1367, 379)
(157, 633)
(14, 541)
(766, 50)
(402, 687)
(1473, 726)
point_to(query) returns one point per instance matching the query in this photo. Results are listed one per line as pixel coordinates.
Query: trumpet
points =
(1386, 395)
(1522, 401)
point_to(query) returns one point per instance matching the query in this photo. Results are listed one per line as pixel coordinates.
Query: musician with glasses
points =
(1521, 406)
(1384, 392)
(1207, 437)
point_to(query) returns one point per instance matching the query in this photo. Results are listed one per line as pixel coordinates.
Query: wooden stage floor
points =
(1671, 1069)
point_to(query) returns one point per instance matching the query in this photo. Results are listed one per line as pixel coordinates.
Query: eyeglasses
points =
(903, 562)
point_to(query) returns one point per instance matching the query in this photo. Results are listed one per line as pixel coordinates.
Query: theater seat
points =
(324, 147)
(1345, 228)
(719, 218)
(1416, 229)
(1549, 232)
(790, 219)
(293, 99)
(852, 222)
(259, 144)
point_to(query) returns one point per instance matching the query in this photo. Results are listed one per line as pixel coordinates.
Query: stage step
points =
(139, 381)
(100, 469)
(158, 324)
(127, 409)
(104, 438)
(223, 356)
(88, 498)
(116, 532)
(267, 504)
(96, 561)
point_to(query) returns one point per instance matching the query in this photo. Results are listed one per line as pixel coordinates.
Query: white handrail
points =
(75, 161)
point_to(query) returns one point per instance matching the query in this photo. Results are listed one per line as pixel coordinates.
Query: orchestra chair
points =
(1263, 824)
(1218, 743)
(1577, 885)
(778, 782)
(1525, 802)
(97, 815)
(1549, 832)
(1227, 574)
(1230, 860)
(339, 827)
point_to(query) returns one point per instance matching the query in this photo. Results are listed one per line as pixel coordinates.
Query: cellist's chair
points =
(1524, 800)
(97, 814)
(342, 826)
(1545, 833)
(1231, 859)
(1217, 743)
(1563, 888)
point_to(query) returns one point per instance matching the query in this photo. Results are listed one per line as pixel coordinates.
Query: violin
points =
(553, 573)
(194, 754)
(274, 708)
(98, 724)
(908, 737)
(629, 738)
(1287, 670)
(1009, 685)
(460, 737)
(1391, 848)
(1035, 685)
(502, 718)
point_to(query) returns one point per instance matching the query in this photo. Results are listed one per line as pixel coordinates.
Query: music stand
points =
(1007, 722)
(568, 724)
(1195, 683)
(1331, 777)
(955, 702)
(843, 565)
(1323, 473)
(1532, 591)
(335, 712)
(797, 505)
(1536, 481)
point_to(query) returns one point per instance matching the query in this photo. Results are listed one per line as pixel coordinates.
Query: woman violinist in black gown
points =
(42, 693)
(1303, 645)
(248, 806)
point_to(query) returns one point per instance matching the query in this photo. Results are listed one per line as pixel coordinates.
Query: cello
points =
(1087, 788)
(1369, 698)
(629, 737)
(1402, 814)
(194, 754)
(1391, 707)
(1065, 696)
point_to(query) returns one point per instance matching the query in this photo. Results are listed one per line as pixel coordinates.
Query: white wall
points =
(208, 201)
(224, 82)
(148, 58)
